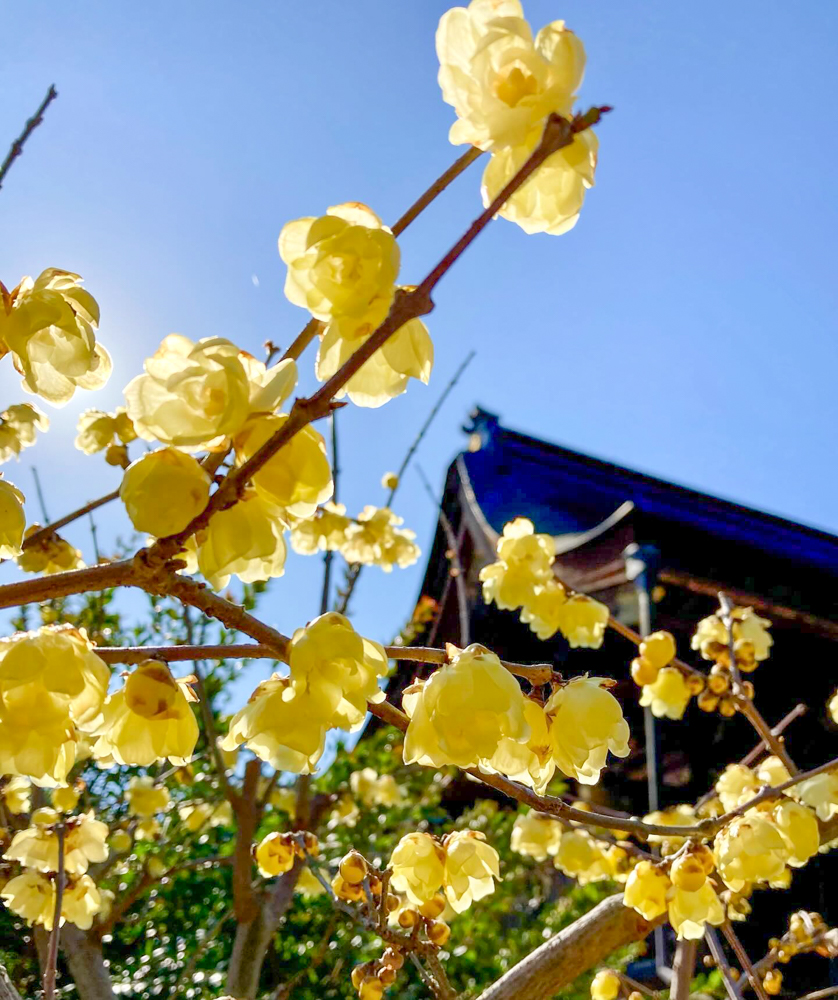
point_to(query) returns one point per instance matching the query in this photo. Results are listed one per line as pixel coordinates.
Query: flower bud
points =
(605, 985)
(163, 491)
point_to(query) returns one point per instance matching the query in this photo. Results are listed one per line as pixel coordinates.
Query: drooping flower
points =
(18, 425)
(524, 560)
(12, 520)
(502, 82)
(49, 327)
(819, 793)
(668, 696)
(194, 395)
(772, 771)
(375, 538)
(799, 829)
(532, 763)
(37, 846)
(17, 795)
(581, 857)
(689, 912)
(98, 430)
(586, 721)
(736, 784)
(471, 867)
(144, 798)
(275, 854)
(535, 835)
(281, 726)
(298, 477)
(196, 815)
(149, 719)
(324, 531)
(337, 668)
(245, 540)
(418, 868)
(150, 483)
(49, 554)
(606, 985)
(376, 789)
(32, 896)
(646, 890)
(750, 849)
(463, 711)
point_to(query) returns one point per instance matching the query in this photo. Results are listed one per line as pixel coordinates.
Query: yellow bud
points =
(688, 873)
(358, 975)
(389, 480)
(150, 484)
(658, 649)
(643, 672)
(387, 975)
(695, 683)
(393, 959)
(155, 867)
(353, 868)
(65, 799)
(727, 707)
(371, 989)
(117, 455)
(707, 701)
(773, 982)
(605, 985)
(433, 907)
(120, 841)
(408, 917)
(438, 932)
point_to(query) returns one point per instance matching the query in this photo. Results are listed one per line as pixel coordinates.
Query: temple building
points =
(657, 554)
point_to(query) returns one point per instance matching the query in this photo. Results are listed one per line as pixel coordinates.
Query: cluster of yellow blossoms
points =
(373, 538)
(503, 84)
(523, 578)
(343, 267)
(666, 691)
(31, 894)
(18, 425)
(574, 851)
(471, 713)
(334, 672)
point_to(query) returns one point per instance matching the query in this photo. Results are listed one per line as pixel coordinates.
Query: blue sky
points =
(686, 327)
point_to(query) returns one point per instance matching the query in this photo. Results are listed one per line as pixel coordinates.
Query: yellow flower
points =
(31, 896)
(324, 531)
(51, 554)
(605, 985)
(535, 835)
(531, 763)
(12, 520)
(308, 884)
(582, 621)
(37, 846)
(586, 721)
(736, 784)
(120, 841)
(244, 540)
(463, 711)
(65, 799)
(772, 771)
(832, 707)
(711, 636)
(338, 669)
(81, 901)
(195, 394)
(819, 793)
(49, 326)
(388, 792)
(543, 609)
(275, 854)
(281, 726)
(196, 815)
(390, 480)
(18, 425)
(98, 430)
(500, 81)
(17, 795)
(582, 858)
(344, 263)
(297, 478)
(471, 867)
(669, 696)
(524, 560)
(681, 815)
(799, 829)
(551, 199)
(408, 353)
(374, 789)
(690, 911)
(658, 649)
(750, 849)
(646, 890)
(375, 539)
(144, 798)
(150, 483)
(417, 862)
(51, 685)
(149, 719)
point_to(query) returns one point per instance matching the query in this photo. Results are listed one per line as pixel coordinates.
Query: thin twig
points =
(17, 146)
(718, 953)
(438, 186)
(744, 961)
(762, 746)
(329, 554)
(55, 934)
(356, 570)
(683, 970)
(50, 529)
(40, 493)
(456, 569)
(820, 994)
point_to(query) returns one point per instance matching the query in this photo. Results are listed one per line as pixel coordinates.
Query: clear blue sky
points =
(686, 327)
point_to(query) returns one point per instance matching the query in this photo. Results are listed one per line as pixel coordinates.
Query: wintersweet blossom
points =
(750, 849)
(149, 719)
(471, 867)
(819, 793)
(144, 798)
(418, 869)
(535, 835)
(49, 326)
(150, 483)
(17, 795)
(690, 912)
(524, 559)
(668, 696)
(586, 721)
(646, 890)
(194, 395)
(582, 621)
(736, 784)
(375, 538)
(49, 554)
(196, 815)
(324, 531)
(336, 668)
(532, 763)
(463, 711)
(98, 430)
(581, 857)
(12, 520)
(501, 82)
(281, 726)
(18, 424)
(298, 477)
(37, 846)
(32, 896)
(275, 854)
(799, 829)
(606, 985)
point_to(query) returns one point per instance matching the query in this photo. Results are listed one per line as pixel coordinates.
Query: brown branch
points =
(572, 951)
(77, 581)
(717, 951)
(774, 744)
(683, 970)
(245, 901)
(820, 994)
(744, 961)
(438, 186)
(17, 146)
(49, 529)
(539, 673)
(52, 953)
(762, 747)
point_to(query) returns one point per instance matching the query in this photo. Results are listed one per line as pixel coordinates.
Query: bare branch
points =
(438, 186)
(744, 961)
(50, 529)
(17, 146)
(55, 933)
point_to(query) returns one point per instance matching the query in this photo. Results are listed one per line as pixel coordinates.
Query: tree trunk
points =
(571, 952)
(83, 954)
(7, 989)
(254, 937)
